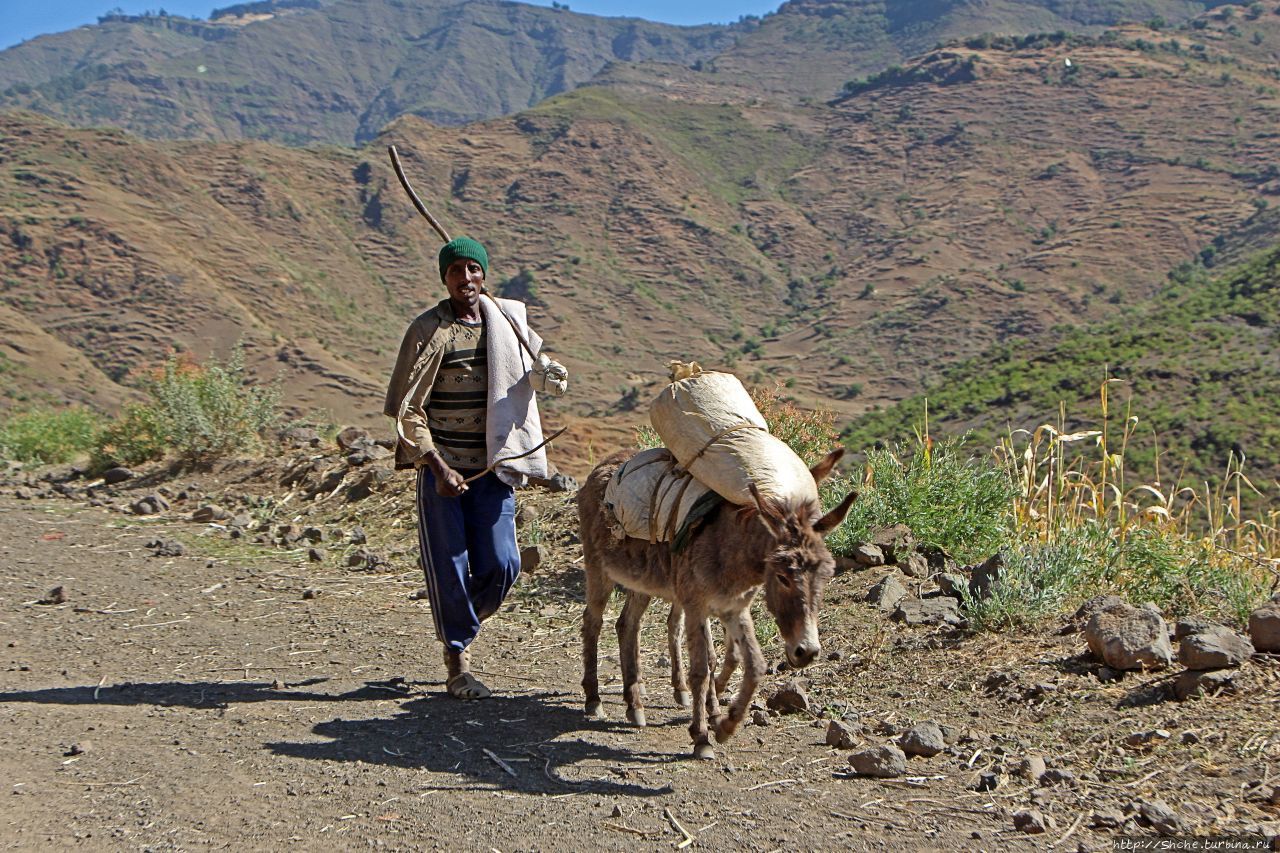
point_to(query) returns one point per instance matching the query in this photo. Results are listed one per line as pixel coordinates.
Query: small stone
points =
(119, 474)
(1107, 675)
(316, 555)
(1264, 627)
(841, 735)
(916, 565)
(301, 437)
(1162, 818)
(310, 593)
(985, 577)
(987, 781)
(760, 718)
(868, 555)
(241, 520)
(57, 595)
(953, 585)
(526, 515)
(357, 536)
(1140, 739)
(166, 548)
(617, 812)
(789, 698)
(1107, 819)
(313, 535)
(22, 493)
(352, 438)
(1057, 776)
(1214, 647)
(1032, 768)
(209, 512)
(887, 593)
(882, 762)
(78, 748)
(923, 739)
(1195, 683)
(1189, 738)
(359, 558)
(895, 542)
(1030, 821)
(531, 557)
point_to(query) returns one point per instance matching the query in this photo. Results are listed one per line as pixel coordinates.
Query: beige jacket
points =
(512, 424)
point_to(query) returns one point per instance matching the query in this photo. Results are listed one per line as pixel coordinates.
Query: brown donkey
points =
(738, 550)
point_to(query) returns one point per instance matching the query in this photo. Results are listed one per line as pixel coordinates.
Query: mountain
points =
(987, 191)
(307, 71)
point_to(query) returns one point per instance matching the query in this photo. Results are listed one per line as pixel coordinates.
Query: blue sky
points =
(24, 19)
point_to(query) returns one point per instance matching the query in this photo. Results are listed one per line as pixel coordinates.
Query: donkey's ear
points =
(822, 470)
(769, 513)
(831, 520)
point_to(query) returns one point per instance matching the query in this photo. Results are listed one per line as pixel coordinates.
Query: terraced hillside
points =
(986, 191)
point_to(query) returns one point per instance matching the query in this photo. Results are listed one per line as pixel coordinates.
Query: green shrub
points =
(949, 500)
(196, 412)
(47, 436)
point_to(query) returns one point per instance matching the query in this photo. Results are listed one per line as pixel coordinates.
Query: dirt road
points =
(251, 700)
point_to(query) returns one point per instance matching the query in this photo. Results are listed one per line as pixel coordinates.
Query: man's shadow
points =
(512, 742)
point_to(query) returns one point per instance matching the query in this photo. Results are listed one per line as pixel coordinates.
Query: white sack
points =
(711, 410)
(649, 481)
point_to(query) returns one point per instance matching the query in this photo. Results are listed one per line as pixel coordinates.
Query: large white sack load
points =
(709, 423)
(652, 497)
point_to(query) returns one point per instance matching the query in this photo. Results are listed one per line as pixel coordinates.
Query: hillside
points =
(1199, 367)
(985, 192)
(338, 70)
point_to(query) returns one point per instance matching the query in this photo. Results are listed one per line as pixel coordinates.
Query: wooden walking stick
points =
(413, 196)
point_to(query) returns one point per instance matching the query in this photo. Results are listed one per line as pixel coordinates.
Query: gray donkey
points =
(739, 549)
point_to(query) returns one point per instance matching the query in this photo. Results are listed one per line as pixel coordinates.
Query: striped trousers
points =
(469, 553)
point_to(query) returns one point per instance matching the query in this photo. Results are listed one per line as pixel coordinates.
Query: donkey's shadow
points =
(516, 741)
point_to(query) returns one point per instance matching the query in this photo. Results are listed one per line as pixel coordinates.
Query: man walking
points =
(463, 396)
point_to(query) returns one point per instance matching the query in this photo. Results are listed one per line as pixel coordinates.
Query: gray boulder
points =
(928, 611)
(1264, 627)
(1214, 647)
(882, 762)
(1127, 638)
(887, 593)
(923, 739)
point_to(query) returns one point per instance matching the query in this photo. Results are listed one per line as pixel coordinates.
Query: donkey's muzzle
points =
(803, 654)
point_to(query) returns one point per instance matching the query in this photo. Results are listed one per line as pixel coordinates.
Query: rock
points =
(78, 748)
(1057, 776)
(953, 585)
(532, 556)
(209, 512)
(1162, 818)
(987, 780)
(985, 577)
(555, 483)
(369, 482)
(57, 595)
(938, 559)
(923, 739)
(1106, 674)
(1214, 647)
(288, 533)
(1125, 637)
(166, 548)
(316, 555)
(22, 493)
(1188, 625)
(914, 566)
(1032, 768)
(1107, 819)
(149, 505)
(352, 438)
(789, 698)
(1264, 627)
(928, 611)
(117, 475)
(887, 593)
(314, 535)
(300, 436)
(882, 762)
(1139, 739)
(868, 555)
(310, 593)
(1094, 606)
(1030, 821)
(357, 536)
(420, 594)
(760, 718)
(526, 515)
(359, 558)
(895, 542)
(1195, 683)
(841, 735)
(1189, 738)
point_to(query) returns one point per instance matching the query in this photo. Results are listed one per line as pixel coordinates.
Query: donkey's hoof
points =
(636, 717)
(595, 709)
(704, 751)
(725, 729)
(684, 699)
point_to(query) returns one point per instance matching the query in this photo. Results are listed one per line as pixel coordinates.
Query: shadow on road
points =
(197, 694)
(474, 739)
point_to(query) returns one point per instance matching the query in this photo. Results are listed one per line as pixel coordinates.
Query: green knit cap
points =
(463, 247)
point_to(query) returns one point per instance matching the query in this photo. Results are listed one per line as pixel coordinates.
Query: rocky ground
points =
(240, 658)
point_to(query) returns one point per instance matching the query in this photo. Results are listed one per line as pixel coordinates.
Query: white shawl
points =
(512, 424)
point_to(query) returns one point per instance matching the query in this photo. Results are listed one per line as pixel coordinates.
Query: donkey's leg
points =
(742, 635)
(698, 634)
(629, 654)
(597, 595)
(728, 665)
(675, 652)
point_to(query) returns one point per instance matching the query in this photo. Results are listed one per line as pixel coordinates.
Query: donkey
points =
(739, 549)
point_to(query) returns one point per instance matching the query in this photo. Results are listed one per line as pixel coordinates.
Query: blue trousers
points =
(469, 553)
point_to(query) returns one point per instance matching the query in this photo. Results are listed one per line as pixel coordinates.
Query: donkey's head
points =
(799, 564)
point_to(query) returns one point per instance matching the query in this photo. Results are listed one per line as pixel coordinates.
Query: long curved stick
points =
(535, 449)
(413, 196)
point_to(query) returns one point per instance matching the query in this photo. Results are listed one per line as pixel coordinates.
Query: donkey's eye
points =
(784, 579)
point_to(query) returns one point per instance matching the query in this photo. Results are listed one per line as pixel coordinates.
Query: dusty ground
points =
(241, 696)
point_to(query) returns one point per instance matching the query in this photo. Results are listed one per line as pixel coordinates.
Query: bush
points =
(197, 412)
(47, 436)
(949, 500)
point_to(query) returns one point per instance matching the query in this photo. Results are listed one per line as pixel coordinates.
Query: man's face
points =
(464, 279)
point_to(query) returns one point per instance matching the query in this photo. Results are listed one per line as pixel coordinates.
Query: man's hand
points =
(449, 483)
(549, 377)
